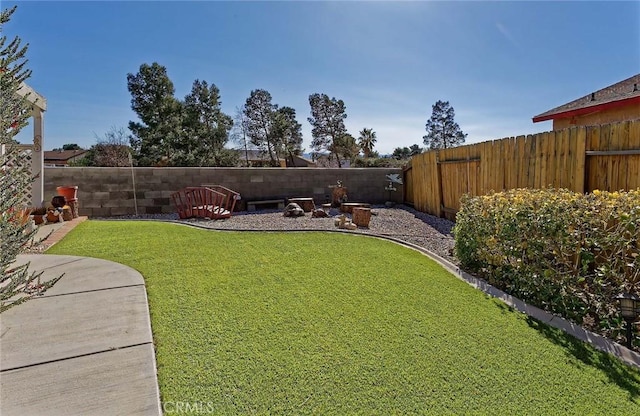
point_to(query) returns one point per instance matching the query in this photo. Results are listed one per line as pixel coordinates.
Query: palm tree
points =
(366, 141)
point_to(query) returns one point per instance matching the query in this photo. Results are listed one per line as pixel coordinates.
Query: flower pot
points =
(68, 192)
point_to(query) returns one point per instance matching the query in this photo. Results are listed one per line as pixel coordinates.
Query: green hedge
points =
(565, 252)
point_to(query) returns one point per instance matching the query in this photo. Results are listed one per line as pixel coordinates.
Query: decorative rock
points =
(342, 223)
(319, 213)
(293, 210)
(306, 204)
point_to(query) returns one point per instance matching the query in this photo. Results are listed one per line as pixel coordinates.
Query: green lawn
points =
(326, 323)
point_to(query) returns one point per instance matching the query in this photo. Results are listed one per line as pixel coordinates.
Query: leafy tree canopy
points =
(287, 133)
(159, 133)
(401, 153)
(206, 128)
(171, 132)
(68, 146)
(415, 149)
(271, 129)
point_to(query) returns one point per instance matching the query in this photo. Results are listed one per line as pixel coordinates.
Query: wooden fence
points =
(605, 157)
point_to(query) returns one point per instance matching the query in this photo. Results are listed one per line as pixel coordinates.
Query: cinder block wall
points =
(104, 192)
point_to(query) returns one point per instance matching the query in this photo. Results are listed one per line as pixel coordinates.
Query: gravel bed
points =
(401, 222)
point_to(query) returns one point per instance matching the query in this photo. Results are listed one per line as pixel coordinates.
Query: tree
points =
(401, 153)
(259, 111)
(366, 141)
(442, 131)
(112, 150)
(16, 283)
(327, 121)
(206, 127)
(287, 133)
(346, 147)
(68, 146)
(239, 132)
(161, 114)
(415, 149)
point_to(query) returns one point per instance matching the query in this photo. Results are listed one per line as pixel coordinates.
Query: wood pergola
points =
(38, 107)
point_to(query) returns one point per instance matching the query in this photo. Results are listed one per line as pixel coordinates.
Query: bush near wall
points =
(565, 252)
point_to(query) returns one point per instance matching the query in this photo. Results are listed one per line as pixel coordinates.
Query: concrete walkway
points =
(84, 347)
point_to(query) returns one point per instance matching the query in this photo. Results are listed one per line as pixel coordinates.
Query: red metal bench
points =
(214, 202)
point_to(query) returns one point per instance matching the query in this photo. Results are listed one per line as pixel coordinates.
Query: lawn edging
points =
(597, 341)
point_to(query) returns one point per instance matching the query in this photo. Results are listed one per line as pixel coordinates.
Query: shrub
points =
(378, 162)
(567, 253)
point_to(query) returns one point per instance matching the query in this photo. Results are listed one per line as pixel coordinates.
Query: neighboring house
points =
(301, 162)
(62, 158)
(257, 158)
(617, 102)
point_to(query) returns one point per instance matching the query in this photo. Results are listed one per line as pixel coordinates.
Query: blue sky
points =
(497, 63)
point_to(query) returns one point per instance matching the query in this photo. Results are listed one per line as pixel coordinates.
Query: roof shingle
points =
(623, 90)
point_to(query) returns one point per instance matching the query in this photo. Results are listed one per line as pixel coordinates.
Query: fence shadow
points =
(619, 373)
(441, 225)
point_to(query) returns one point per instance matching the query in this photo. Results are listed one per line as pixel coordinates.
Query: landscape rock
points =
(319, 213)
(293, 210)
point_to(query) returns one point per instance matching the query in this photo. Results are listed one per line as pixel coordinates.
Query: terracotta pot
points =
(68, 192)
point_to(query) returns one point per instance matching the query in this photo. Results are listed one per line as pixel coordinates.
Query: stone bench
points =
(251, 205)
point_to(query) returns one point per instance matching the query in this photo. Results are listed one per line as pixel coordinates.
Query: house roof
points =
(62, 155)
(623, 93)
(254, 154)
